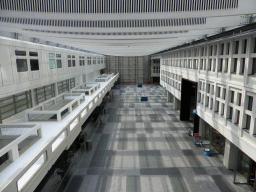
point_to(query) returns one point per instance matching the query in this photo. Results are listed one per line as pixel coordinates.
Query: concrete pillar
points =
(229, 155)
(201, 128)
(176, 104)
(169, 97)
(33, 98)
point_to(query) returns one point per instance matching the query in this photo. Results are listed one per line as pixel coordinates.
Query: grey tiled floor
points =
(142, 146)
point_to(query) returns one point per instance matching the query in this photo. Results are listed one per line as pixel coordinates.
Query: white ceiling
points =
(131, 33)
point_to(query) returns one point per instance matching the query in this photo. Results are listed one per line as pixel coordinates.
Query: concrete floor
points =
(142, 146)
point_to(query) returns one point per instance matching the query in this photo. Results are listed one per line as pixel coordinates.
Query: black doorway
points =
(188, 100)
(156, 80)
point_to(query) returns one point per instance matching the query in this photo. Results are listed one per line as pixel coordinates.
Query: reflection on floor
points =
(142, 146)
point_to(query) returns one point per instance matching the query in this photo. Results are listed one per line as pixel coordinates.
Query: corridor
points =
(142, 146)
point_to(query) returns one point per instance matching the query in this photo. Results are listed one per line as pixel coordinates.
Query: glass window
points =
(218, 92)
(69, 63)
(222, 49)
(33, 54)
(21, 65)
(232, 94)
(228, 47)
(59, 63)
(20, 53)
(44, 93)
(253, 66)
(248, 122)
(254, 50)
(236, 47)
(220, 65)
(224, 93)
(244, 46)
(242, 65)
(217, 106)
(250, 102)
(234, 65)
(14, 104)
(52, 63)
(239, 99)
(51, 55)
(34, 65)
(230, 112)
(237, 116)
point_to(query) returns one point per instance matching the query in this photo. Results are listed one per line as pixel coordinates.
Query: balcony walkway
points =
(142, 146)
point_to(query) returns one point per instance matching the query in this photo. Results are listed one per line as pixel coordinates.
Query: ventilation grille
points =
(121, 33)
(107, 24)
(116, 6)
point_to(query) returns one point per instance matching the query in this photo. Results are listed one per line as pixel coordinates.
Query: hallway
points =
(142, 146)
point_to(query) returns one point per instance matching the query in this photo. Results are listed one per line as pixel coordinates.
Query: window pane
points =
(21, 65)
(69, 63)
(52, 63)
(34, 65)
(33, 54)
(20, 53)
(59, 64)
(250, 102)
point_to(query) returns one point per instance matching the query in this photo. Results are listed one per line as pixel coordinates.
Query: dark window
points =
(73, 63)
(220, 65)
(210, 65)
(239, 99)
(20, 53)
(33, 54)
(21, 65)
(222, 108)
(230, 112)
(224, 93)
(59, 64)
(248, 122)
(232, 96)
(254, 45)
(237, 117)
(222, 49)
(217, 106)
(242, 65)
(226, 69)
(34, 65)
(244, 46)
(234, 65)
(218, 92)
(69, 63)
(254, 66)
(228, 46)
(208, 88)
(250, 102)
(236, 47)
(207, 101)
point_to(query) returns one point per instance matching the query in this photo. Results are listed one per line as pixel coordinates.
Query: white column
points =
(176, 104)
(229, 155)
(201, 127)
(169, 97)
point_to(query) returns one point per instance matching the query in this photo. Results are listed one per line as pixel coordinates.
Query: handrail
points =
(12, 148)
